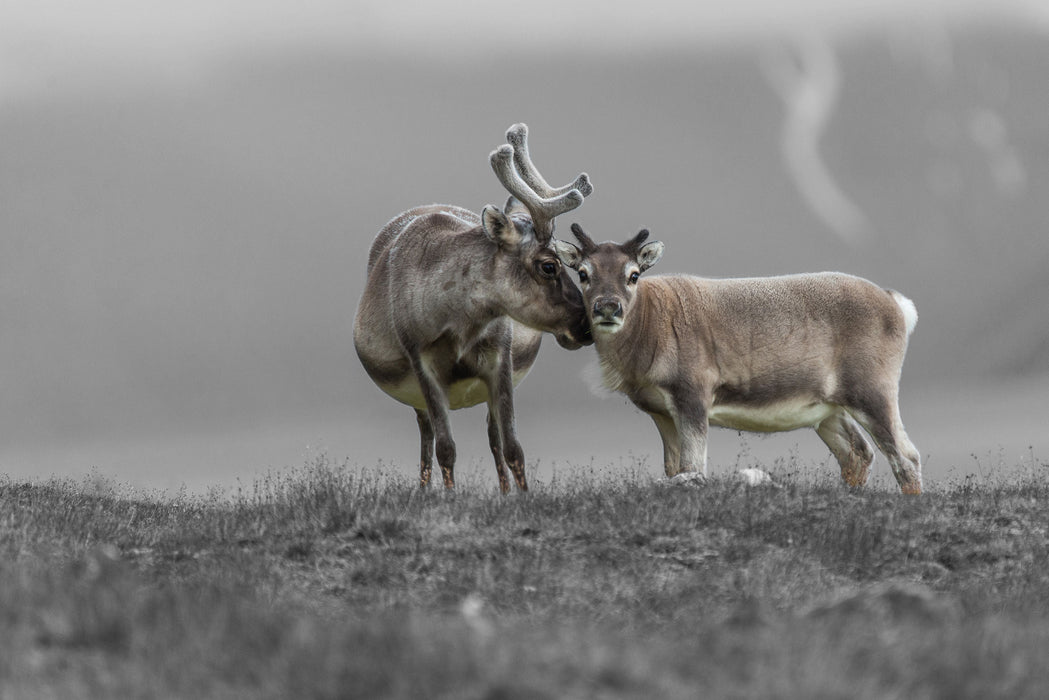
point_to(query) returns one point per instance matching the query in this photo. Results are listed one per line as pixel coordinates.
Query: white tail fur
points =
(910, 311)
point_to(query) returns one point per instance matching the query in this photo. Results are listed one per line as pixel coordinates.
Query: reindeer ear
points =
(499, 229)
(568, 253)
(513, 205)
(649, 254)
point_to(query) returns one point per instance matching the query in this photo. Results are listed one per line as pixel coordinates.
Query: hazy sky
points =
(35, 34)
(182, 249)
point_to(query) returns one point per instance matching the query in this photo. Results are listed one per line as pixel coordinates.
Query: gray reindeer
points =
(455, 304)
(762, 354)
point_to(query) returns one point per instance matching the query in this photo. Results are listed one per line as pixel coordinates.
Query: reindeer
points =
(455, 304)
(764, 354)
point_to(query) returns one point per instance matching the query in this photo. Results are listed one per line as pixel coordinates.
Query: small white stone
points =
(754, 477)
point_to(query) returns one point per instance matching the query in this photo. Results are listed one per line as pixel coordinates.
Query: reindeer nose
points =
(607, 309)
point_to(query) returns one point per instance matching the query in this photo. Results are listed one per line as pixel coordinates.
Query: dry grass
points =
(327, 582)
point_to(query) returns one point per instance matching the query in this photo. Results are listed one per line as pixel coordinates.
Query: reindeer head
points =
(608, 274)
(523, 231)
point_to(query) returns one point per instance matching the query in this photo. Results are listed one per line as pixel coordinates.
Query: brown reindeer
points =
(455, 305)
(762, 354)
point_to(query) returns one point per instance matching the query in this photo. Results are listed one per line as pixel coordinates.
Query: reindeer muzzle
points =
(608, 310)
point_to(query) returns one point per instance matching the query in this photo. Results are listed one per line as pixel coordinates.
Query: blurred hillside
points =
(185, 252)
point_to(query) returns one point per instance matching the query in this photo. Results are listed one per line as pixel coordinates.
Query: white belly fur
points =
(461, 394)
(773, 418)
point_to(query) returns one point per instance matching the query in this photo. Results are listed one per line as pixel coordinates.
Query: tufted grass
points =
(331, 581)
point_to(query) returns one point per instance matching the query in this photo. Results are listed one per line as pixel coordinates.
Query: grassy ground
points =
(327, 582)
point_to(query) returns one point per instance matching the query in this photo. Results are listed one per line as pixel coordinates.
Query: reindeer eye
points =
(583, 277)
(634, 276)
(548, 268)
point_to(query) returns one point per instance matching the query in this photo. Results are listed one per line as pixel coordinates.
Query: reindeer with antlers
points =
(455, 304)
(763, 354)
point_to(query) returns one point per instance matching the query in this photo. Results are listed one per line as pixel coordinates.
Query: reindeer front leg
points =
(671, 443)
(495, 444)
(436, 399)
(691, 420)
(425, 447)
(681, 419)
(502, 432)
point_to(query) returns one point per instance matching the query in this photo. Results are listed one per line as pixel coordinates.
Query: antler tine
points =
(634, 244)
(584, 239)
(543, 210)
(502, 160)
(517, 136)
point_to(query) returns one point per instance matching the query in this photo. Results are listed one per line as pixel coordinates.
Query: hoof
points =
(684, 479)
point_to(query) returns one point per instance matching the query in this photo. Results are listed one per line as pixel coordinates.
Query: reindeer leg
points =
(690, 418)
(495, 443)
(426, 447)
(671, 443)
(502, 433)
(437, 410)
(880, 417)
(846, 441)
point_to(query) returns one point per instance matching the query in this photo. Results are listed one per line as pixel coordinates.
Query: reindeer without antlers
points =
(762, 354)
(455, 305)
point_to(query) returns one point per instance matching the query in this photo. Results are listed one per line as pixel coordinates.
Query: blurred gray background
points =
(188, 192)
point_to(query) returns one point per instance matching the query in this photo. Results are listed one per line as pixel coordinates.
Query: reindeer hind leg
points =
(880, 417)
(845, 438)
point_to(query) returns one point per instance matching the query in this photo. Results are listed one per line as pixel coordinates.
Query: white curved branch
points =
(989, 132)
(808, 82)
